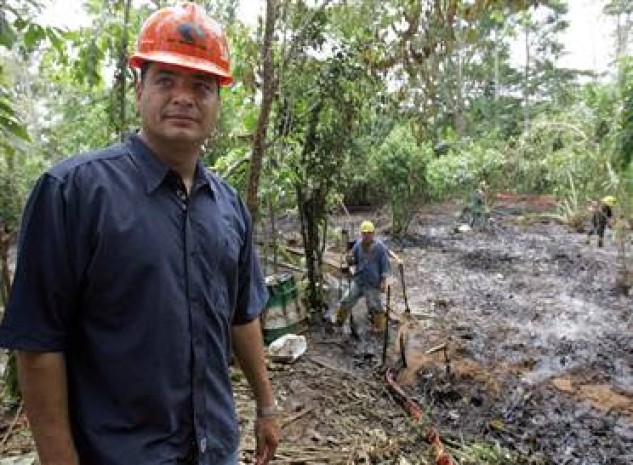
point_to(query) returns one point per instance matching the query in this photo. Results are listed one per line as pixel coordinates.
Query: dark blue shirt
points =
(138, 285)
(372, 266)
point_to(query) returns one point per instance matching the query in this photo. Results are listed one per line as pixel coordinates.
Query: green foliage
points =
(398, 168)
(560, 155)
(18, 165)
(234, 134)
(346, 71)
(13, 133)
(624, 149)
(17, 174)
(463, 168)
(72, 132)
(574, 173)
(11, 392)
(485, 454)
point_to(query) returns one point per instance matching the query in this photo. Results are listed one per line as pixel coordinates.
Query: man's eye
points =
(163, 81)
(204, 87)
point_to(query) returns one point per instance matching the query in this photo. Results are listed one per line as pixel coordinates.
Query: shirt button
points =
(203, 445)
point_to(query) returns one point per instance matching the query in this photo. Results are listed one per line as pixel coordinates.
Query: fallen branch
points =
(295, 417)
(296, 455)
(289, 266)
(432, 350)
(328, 259)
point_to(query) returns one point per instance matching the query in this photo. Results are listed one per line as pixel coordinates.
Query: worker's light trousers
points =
(372, 295)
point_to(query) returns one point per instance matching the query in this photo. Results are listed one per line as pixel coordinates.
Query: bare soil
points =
(540, 349)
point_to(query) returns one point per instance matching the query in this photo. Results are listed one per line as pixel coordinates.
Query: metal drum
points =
(284, 313)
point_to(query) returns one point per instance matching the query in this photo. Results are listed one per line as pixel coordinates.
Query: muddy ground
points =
(540, 350)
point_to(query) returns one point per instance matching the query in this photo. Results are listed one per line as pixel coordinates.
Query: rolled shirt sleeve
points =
(43, 295)
(252, 294)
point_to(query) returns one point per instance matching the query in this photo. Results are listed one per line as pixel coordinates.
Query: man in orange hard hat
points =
(137, 280)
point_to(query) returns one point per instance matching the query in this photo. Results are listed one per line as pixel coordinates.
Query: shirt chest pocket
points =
(231, 242)
(220, 245)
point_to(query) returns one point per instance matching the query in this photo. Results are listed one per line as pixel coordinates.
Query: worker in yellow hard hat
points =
(601, 218)
(370, 256)
(609, 200)
(367, 227)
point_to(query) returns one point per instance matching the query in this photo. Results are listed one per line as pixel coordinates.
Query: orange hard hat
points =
(183, 35)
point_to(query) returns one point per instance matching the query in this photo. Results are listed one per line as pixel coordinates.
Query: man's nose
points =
(182, 94)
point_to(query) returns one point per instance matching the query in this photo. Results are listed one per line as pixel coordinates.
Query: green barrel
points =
(284, 313)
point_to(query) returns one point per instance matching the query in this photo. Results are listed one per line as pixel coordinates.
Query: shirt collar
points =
(154, 171)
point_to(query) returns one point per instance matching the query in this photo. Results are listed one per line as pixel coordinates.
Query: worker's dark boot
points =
(600, 242)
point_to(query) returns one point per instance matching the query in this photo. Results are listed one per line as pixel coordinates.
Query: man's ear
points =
(138, 90)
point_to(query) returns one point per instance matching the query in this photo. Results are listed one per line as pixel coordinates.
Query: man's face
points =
(178, 105)
(367, 237)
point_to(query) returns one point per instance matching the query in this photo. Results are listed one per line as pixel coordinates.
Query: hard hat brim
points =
(183, 61)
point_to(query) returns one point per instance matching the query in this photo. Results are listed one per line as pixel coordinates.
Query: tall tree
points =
(269, 86)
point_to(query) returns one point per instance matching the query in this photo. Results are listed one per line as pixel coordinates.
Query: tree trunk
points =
(497, 79)
(459, 120)
(120, 76)
(526, 82)
(268, 92)
(273, 236)
(311, 204)
(310, 234)
(122, 73)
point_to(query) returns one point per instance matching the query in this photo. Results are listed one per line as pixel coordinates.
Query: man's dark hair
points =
(144, 68)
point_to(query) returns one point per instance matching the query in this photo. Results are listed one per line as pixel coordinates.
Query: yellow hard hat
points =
(609, 200)
(367, 227)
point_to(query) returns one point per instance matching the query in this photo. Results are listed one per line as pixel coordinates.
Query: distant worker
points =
(370, 257)
(476, 209)
(601, 218)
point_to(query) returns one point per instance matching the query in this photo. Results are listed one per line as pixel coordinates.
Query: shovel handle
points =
(385, 342)
(407, 310)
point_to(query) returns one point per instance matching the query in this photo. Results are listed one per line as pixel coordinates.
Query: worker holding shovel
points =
(370, 257)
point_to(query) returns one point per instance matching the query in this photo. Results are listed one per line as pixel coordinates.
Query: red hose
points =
(432, 438)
